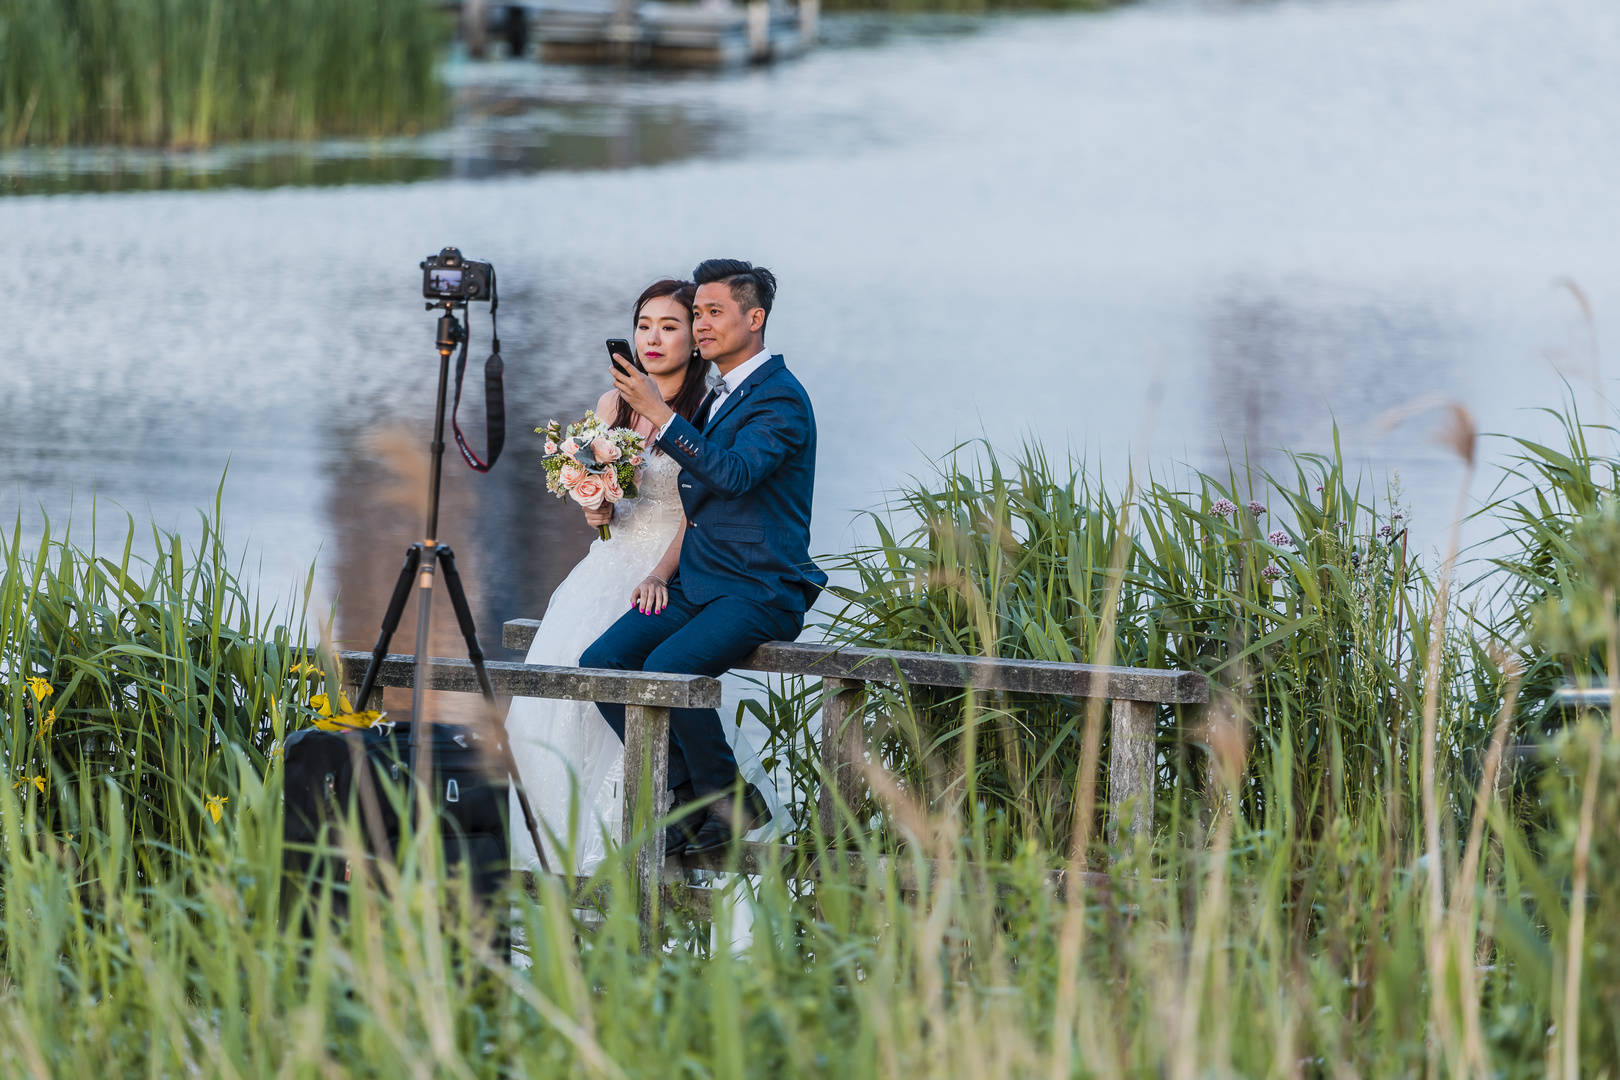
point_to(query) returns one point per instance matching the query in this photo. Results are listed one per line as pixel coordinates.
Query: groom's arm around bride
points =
(748, 476)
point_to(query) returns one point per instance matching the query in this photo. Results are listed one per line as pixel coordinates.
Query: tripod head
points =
(451, 332)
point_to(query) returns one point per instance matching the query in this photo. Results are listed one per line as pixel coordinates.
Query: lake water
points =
(1267, 217)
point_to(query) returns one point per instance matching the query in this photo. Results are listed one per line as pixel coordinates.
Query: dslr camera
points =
(449, 276)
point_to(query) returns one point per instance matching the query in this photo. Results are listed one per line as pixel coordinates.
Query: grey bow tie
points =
(717, 384)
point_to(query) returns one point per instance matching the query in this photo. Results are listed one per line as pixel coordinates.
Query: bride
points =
(568, 757)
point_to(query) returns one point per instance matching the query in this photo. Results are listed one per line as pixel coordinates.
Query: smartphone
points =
(619, 349)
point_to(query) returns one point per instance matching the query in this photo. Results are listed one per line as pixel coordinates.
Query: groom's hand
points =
(641, 393)
(602, 515)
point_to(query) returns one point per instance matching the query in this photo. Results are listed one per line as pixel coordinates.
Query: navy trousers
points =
(689, 639)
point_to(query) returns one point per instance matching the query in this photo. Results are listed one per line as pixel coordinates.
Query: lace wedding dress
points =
(566, 753)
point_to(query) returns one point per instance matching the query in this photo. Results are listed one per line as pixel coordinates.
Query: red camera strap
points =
(494, 402)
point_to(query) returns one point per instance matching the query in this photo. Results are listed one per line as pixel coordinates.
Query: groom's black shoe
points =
(678, 836)
(719, 830)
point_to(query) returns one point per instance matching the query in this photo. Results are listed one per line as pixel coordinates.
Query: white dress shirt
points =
(733, 379)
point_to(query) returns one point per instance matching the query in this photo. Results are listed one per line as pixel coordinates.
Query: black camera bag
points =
(470, 795)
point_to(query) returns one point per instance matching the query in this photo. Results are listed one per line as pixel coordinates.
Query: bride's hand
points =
(651, 596)
(602, 515)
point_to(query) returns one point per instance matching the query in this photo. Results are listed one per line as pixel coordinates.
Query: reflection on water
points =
(507, 118)
(497, 129)
(1287, 215)
(1286, 365)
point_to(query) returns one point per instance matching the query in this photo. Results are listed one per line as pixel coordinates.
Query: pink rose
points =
(571, 474)
(569, 447)
(612, 492)
(590, 492)
(605, 451)
(551, 447)
(636, 460)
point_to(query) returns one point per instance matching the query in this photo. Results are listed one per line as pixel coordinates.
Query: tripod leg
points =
(458, 600)
(390, 623)
(370, 807)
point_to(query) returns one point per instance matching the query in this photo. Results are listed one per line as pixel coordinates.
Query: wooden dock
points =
(1135, 696)
(708, 33)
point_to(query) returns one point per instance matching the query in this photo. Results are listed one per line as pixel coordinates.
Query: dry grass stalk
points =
(1458, 435)
(1570, 1029)
(1464, 924)
(1072, 937)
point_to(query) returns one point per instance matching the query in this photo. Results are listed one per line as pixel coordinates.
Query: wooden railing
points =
(1134, 694)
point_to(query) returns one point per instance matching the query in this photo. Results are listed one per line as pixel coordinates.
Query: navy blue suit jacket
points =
(746, 484)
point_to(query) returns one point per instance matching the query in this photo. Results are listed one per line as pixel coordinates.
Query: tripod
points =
(421, 561)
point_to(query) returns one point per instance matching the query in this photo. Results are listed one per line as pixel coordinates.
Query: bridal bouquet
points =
(592, 462)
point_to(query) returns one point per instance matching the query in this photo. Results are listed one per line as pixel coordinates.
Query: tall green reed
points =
(1259, 945)
(189, 72)
(1208, 969)
(1295, 593)
(158, 678)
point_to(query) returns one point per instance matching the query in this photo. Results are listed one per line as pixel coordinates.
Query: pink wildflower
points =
(1223, 507)
(1280, 539)
(1256, 508)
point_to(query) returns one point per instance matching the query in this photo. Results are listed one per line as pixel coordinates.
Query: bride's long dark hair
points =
(695, 386)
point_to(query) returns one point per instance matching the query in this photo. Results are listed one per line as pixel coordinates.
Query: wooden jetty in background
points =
(708, 33)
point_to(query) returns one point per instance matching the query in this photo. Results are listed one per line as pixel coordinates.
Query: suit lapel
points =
(764, 371)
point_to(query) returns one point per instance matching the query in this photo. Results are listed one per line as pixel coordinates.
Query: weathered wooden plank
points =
(843, 748)
(1130, 764)
(519, 633)
(944, 669)
(646, 799)
(544, 681)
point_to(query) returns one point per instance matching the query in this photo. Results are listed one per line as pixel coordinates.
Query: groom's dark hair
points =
(751, 286)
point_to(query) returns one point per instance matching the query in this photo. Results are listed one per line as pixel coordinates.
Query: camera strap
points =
(494, 395)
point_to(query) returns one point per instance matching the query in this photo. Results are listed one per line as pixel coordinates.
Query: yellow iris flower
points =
(346, 720)
(41, 688)
(216, 806)
(304, 667)
(321, 704)
(351, 721)
(37, 781)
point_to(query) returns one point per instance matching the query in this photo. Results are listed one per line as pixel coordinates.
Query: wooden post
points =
(809, 22)
(623, 32)
(1131, 763)
(758, 13)
(475, 27)
(843, 747)
(646, 799)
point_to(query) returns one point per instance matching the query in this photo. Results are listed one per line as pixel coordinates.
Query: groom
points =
(748, 464)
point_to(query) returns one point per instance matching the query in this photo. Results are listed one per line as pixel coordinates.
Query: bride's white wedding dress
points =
(564, 747)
